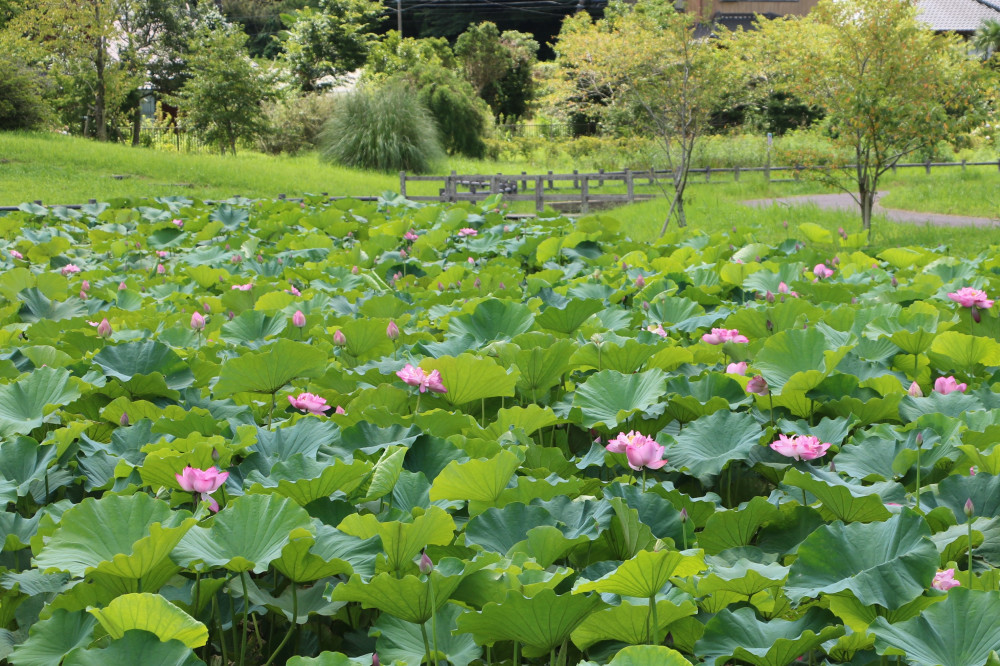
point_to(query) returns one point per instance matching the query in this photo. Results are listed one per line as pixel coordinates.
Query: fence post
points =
(767, 166)
(736, 174)
(629, 186)
(539, 195)
(584, 195)
(652, 175)
(281, 196)
(927, 166)
(493, 184)
(708, 174)
(524, 182)
(402, 184)
(963, 165)
(92, 201)
(576, 181)
(600, 181)
(550, 182)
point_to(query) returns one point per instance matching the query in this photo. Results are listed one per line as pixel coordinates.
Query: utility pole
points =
(399, 17)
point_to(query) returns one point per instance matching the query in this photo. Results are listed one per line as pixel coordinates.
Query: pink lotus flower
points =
(968, 297)
(68, 269)
(415, 376)
(640, 450)
(294, 292)
(392, 330)
(104, 328)
(822, 272)
(298, 319)
(467, 231)
(737, 368)
(658, 329)
(800, 447)
(720, 335)
(197, 321)
(178, 223)
(236, 258)
(162, 254)
(243, 287)
(309, 402)
(758, 385)
(946, 385)
(945, 580)
(194, 480)
(914, 391)
(160, 269)
(410, 235)
(16, 254)
(339, 410)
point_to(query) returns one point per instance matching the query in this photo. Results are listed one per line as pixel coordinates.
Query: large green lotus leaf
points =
(246, 535)
(858, 616)
(739, 634)
(646, 655)
(888, 563)
(493, 319)
(840, 499)
(51, 639)
(409, 597)
(132, 359)
(952, 350)
(386, 473)
(736, 527)
(630, 623)
(30, 402)
(124, 536)
(663, 519)
(331, 659)
(731, 573)
(252, 327)
(475, 480)
(269, 369)
(402, 641)
(783, 316)
(646, 573)
(301, 565)
(470, 378)
(37, 307)
(403, 541)
(626, 358)
(531, 418)
(962, 630)
(610, 397)
(152, 613)
(690, 400)
(136, 647)
(707, 445)
(25, 463)
(500, 530)
(365, 339)
(953, 492)
(954, 405)
(305, 480)
(793, 351)
(540, 622)
(569, 318)
(541, 368)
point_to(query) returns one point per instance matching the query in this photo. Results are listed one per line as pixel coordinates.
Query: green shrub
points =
(22, 105)
(294, 124)
(385, 129)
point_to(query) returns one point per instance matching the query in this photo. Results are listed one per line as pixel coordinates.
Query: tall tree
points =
(889, 86)
(499, 66)
(644, 60)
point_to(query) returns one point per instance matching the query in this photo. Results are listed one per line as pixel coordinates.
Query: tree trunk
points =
(100, 91)
(867, 197)
(137, 124)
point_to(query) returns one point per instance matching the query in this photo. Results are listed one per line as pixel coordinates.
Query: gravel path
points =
(844, 201)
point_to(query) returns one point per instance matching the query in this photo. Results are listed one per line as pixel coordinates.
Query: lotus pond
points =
(338, 433)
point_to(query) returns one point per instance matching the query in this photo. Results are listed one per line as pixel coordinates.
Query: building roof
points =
(958, 15)
(743, 21)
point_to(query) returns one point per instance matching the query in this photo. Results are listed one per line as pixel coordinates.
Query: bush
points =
(22, 105)
(385, 129)
(295, 124)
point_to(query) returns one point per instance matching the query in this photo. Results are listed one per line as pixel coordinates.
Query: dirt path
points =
(844, 201)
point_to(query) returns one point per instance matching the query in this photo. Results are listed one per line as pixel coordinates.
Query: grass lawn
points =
(61, 169)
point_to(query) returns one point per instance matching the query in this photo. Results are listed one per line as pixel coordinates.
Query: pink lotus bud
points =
(178, 223)
(500, 286)
(785, 224)
(236, 258)
(375, 661)
(684, 515)
(355, 270)
(440, 287)
(758, 385)
(197, 321)
(227, 247)
(104, 328)
(833, 467)
(640, 282)
(645, 306)
(471, 261)
(624, 266)
(920, 439)
(915, 391)
(160, 269)
(122, 286)
(402, 254)
(85, 286)
(894, 282)
(843, 234)
(976, 317)
(83, 295)
(969, 508)
(231, 315)
(298, 319)
(123, 421)
(215, 453)
(769, 297)
(392, 331)
(425, 565)
(339, 339)
(207, 308)
(973, 470)
(137, 246)
(477, 284)
(260, 257)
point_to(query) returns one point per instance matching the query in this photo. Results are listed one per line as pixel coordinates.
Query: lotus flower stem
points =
(552, 657)
(918, 478)
(270, 413)
(291, 629)
(770, 402)
(804, 502)
(246, 612)
(968, 523)
(654, 638)
(643, 479)
(430, 588)
(222, 634)
(197, 592)
(482, 409)
(417, 408)
(427, 645)
(489, 655)
(517, 654)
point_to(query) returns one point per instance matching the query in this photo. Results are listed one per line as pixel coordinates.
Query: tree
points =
(22, 103)
(643, 61)
(499, 66)
(889, 86)
(987, 39)
(330, 40)
(222, 99)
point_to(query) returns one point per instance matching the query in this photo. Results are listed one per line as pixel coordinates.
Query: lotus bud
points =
(355, 270)
(969, 508)
(339, 339)
(231, 315)
(392, 331)
(458, 284)
(757, 258)
(236, 258)
(104, 328)
(471, 261)
(122, 286)
(160, 269)
(227, 247)
(914, 390)
(477, 284)
(137, 246)
(260, 257)
(215, 453)
(501, 286)
(833, 467)
(298, 319)
(920, 439)
(734, 230)
(835, 261)
(769, 297)
(597, 339)
(758, 385)
(123, 421)
(440, 286)
(843, 234)
(785, 224)
(425, 565)
(894, 282)
(640, 282)
(83, 295)
(85, 286)
(375, 661)
(973, 470)
(624, 266)
(976, 317)
(402, 254)
(770, 325)
(197, 321)
(645, 306)
(207, 308)
(684, 515)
